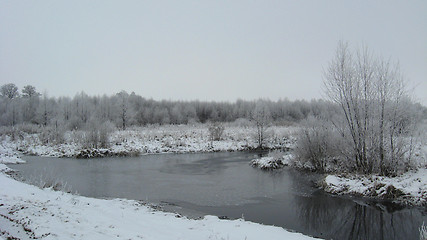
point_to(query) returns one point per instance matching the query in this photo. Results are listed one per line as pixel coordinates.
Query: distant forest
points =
(28, 106)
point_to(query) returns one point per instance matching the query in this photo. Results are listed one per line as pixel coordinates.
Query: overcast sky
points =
(206, 50)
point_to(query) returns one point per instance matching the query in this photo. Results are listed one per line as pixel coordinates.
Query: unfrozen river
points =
(224, 184)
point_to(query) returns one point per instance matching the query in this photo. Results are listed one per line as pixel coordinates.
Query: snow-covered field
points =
(28, 212)
(156, 139)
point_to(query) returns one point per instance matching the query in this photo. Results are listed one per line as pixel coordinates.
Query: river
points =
(225, 185)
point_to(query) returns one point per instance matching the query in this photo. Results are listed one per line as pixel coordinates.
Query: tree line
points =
(122, 109)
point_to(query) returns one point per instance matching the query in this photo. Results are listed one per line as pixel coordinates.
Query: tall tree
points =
(29, 92)
(9, 91)
(369, 92)
(30, 103)
(123, 101)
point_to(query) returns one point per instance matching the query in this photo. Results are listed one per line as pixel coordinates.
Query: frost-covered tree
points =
(46, 110)
(29, 91)
(261, 116)
(10, 94)
(9, 91)
(30, 101)
(123, 107)
(376, 121)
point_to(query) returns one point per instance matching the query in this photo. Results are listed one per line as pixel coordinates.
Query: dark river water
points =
(224, 184)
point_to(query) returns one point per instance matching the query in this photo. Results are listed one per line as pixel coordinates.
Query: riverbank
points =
(408, 189)
(28, 212)
(151, 139)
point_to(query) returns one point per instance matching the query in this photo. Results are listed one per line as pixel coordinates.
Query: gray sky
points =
(207, 50)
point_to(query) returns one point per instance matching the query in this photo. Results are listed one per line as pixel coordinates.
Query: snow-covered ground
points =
(156, 139)
(410, 188)
(8, 155)
(28, 212)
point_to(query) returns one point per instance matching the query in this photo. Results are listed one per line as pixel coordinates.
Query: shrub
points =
(97, 135)
(51, 135)
(317, 145)
(216, 130)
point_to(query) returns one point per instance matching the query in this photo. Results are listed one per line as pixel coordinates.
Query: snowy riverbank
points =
(152, 139)
(28, 212)
(8, 155)
(409, 188)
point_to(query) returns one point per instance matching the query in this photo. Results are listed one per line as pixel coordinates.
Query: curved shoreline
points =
(30, 212)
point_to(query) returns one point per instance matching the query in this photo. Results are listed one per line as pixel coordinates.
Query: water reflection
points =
(346, 219)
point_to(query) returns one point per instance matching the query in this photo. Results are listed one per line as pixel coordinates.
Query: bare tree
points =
(30, 103)
(370, 93)
(123, 104)
(262, 118)
(9, 91)
(46, 110)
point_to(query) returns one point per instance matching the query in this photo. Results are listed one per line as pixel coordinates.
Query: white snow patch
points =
(269, 162)
(8, 155)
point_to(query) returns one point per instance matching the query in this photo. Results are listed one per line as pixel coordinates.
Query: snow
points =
(275, 162)
(30, 212)
(157, 139)
(8, 156)
(412, 184)
(408, 188)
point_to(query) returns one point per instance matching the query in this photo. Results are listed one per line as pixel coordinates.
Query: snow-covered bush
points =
(29, 128)
(216, 129)
(267, 163)
(274, 160)
(51, 135)
(97, 135)
(318, 146)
